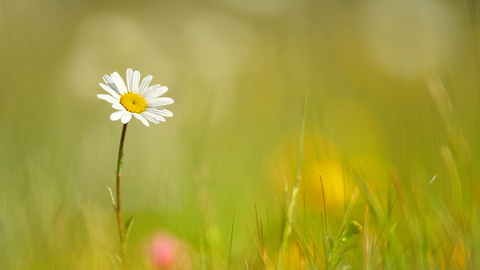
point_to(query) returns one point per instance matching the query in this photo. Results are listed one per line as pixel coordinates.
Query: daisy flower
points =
(135, 98)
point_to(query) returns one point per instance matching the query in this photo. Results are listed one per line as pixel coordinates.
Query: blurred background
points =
(393, 100)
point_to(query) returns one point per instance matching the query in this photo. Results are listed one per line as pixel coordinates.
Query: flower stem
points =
(119, 198)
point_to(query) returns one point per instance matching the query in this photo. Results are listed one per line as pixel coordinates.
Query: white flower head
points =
(135, 98)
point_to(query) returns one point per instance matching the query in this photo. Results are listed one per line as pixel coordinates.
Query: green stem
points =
(293, 198)
(119, 198)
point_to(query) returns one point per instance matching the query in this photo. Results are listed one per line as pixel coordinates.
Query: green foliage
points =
(338, 247)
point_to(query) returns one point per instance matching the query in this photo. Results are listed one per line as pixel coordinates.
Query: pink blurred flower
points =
(167, 252)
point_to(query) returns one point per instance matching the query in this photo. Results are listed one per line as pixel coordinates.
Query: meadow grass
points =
(380, 171)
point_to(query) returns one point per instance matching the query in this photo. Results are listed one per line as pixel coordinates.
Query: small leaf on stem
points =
(128, 226)
(113, 199)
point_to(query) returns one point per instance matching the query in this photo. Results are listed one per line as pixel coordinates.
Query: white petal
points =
(136, 81)
(122, 89)
(155, 93)
(159, 117)
(126, 117)
(150, 117)
(159, 102)
(166, 113)
(116, 115)
(156, 116)
(149, 92)
(107, 98)
(129, 79)
(141, 118)
(145, 82)
(162, 90)
(151, 88)
(118, 106)
(160, 111)
(109, 81)
(109, 90)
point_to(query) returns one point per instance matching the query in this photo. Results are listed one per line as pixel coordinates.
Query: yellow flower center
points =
(133, 103)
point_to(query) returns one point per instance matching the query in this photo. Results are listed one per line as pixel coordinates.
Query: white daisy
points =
(141, 101)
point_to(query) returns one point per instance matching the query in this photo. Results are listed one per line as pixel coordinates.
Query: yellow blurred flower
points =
(318, 157)
(321, 157)
(459, 258)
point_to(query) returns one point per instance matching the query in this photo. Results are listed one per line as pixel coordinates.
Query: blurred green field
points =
(393, 102)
